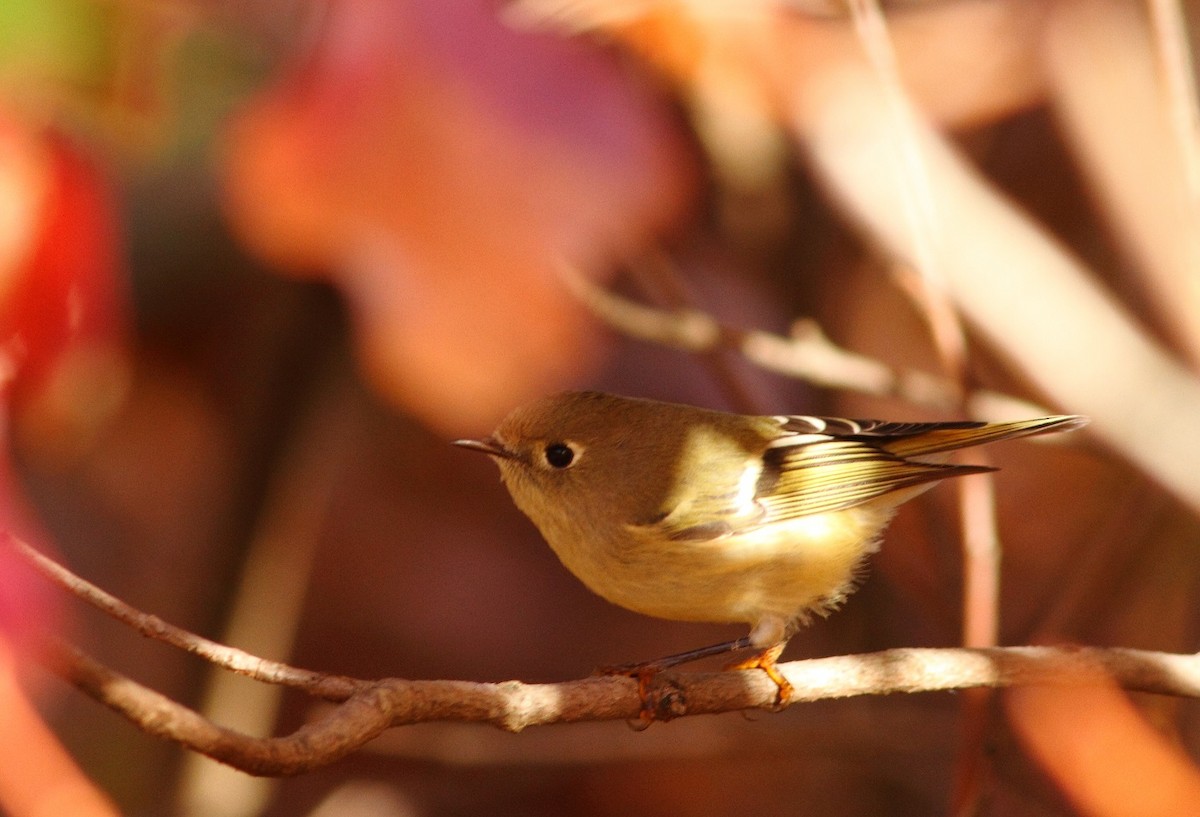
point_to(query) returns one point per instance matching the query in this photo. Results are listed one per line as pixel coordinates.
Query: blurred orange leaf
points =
(1102, 752)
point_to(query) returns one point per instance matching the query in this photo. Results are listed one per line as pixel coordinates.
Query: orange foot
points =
(766, 661)
(656, 705)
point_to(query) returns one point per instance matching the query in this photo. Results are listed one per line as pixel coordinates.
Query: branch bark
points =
(364, 709)
(514, 706)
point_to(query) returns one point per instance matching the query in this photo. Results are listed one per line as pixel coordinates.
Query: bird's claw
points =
(766, 661)
(659, 702)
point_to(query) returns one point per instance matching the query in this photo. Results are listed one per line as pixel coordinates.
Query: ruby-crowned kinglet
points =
(697, 515)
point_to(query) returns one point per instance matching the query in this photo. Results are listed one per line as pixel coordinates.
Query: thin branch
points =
(329, 687)
(275, 575)
(808, 354)
(931, 293)
(514, 706)
(367, 708)
(981, 628)
(921, 215)
(1040, 307)
(348, 726)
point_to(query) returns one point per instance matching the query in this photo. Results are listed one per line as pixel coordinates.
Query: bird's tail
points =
(949, 436)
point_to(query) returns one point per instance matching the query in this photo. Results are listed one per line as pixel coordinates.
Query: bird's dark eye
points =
(559, 455)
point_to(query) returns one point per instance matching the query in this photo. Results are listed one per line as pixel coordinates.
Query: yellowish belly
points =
(786, 570)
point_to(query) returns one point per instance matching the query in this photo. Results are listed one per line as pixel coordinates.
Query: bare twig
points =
(808, 354)
(981, 628)
(347, 727)
(367, 708)
(329, 687)
(275, 575)
(921, 215)
(515, 706)
(1023, 290)
(931, 293)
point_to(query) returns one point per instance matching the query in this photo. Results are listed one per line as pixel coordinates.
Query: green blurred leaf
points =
(59, 41)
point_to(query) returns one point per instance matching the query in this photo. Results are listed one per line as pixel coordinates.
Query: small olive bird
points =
(696, 515)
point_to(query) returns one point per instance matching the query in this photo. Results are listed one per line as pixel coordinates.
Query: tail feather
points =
(951, 438)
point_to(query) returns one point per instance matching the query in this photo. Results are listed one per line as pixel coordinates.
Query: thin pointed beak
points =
(489, 445)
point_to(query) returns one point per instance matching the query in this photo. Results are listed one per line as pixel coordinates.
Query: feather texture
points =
(697, 515)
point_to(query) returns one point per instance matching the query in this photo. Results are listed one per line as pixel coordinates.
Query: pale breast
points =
(785, 569)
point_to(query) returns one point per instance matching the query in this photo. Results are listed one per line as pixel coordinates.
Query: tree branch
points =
(321, 685)
(807, 354)
(514, 706)
(365, 709)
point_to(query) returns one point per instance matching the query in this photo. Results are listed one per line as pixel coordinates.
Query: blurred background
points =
(261, 261)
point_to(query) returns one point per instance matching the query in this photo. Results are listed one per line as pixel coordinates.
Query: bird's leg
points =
(659, 664)
(643, 672)
(766, 661)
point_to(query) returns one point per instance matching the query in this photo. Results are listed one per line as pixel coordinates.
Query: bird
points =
(692, 514)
